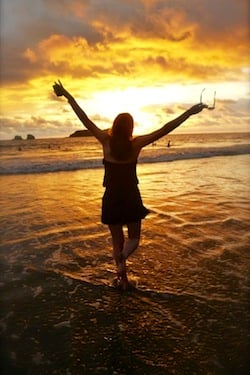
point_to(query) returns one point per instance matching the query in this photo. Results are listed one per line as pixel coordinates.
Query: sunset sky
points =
(151, 58)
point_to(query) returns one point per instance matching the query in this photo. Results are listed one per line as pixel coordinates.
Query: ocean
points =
(187, 312)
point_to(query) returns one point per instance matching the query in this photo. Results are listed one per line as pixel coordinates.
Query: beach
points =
(187, 311)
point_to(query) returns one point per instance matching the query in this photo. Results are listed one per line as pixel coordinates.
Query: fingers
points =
(201, 106)
(197, 108)
(59, 83)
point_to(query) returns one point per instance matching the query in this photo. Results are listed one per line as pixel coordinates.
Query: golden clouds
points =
(100, 47)
(157, 40)
(135, 40)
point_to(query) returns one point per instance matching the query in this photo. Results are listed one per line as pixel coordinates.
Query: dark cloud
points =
(26, 24)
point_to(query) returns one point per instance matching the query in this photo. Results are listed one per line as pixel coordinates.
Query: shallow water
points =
(187, 312)
(199, 224)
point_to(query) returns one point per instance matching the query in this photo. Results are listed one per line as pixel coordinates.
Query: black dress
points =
(121, 202)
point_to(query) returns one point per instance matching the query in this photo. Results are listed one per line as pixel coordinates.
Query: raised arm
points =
(97, 132)
(146, 139)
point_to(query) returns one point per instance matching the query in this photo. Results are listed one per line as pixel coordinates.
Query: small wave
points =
(194, 153)
(49, 167)
(62, 164)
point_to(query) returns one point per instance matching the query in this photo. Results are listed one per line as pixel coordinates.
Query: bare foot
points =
(122, 282)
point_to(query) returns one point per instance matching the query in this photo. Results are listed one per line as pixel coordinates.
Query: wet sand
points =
(56, 325)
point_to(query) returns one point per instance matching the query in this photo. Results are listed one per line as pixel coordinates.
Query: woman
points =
(122, 203)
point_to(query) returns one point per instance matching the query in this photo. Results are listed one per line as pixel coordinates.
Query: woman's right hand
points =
(196, 108)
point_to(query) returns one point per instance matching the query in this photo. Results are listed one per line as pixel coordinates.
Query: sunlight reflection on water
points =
(199, 212)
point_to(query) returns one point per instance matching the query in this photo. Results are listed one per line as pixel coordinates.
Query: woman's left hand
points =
(59, 89)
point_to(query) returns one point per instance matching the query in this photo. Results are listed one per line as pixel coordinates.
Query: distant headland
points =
(83, 133)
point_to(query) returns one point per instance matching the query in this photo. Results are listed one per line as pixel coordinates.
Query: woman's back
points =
(118, 175)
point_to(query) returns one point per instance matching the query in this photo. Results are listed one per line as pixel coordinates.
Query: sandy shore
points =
(55, 325)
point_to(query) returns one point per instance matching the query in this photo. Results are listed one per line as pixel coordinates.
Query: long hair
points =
(121, 136)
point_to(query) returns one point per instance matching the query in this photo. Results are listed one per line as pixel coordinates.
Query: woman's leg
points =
(117, 240)
(117, 234)
(131, 244)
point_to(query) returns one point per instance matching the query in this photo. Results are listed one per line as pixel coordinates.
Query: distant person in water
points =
(122, 204)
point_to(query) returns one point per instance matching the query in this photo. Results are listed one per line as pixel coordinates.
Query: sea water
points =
(188, 312)
(65, 154)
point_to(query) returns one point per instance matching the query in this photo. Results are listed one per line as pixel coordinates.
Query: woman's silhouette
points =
(122, 204)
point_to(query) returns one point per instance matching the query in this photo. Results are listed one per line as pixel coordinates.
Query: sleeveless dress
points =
(121, 202)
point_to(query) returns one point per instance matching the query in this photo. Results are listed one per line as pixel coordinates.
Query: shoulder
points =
(103, 138)
(139, 142)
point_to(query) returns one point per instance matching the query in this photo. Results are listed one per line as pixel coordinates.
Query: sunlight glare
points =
(153, 106)
(137, 101)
